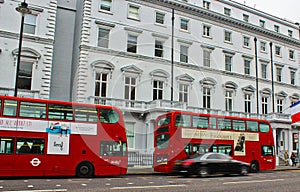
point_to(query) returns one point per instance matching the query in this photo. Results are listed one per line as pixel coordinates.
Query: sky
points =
(285, 9)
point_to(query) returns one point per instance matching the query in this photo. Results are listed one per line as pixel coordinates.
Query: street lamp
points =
(23, 9)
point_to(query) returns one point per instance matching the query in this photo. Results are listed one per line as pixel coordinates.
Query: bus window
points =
(200, 122)
(212, 122)
(164, 121)
(191, 149)
(6, 145)
(264, 127)
(112, 148)
(252, 126)
(30, 146)
(86, 114)
(238, 125)
(109, 116)
(183, 121)
(224, 124)
(32, 110)
(10, 107)
(267, 150)
(225, 149)
(162, 141)
(163, 129)
(60, 112)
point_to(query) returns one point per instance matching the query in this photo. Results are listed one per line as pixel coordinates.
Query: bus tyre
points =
(254, 167)
(203, 171)
(84, 169)
(244, 170)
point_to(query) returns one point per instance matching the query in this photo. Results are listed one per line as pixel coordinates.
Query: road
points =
(272, 181)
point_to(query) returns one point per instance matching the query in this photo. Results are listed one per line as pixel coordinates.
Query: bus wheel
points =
(254, 167)
(84, 169)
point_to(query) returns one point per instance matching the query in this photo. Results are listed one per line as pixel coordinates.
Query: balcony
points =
(21, 92)
(166, 105)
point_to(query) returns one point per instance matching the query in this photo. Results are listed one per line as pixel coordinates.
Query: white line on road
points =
(50, 190)
(145, 187)
(253, 181)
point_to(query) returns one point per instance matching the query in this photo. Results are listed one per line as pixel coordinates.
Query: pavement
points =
(142, 170)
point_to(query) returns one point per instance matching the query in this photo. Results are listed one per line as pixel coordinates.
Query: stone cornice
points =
(220, 18)
(31, 38)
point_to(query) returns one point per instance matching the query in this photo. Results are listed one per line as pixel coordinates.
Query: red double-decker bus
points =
(54, 138)
(181, 134)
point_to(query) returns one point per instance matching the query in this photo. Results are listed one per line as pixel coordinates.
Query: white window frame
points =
(184, 54)
(278, 50)
(206, 97)
(159, 89)
(163, 15)
(247, 66)
(28, 23)
(264, 105)
(291, 54)
(247, 103)
(206, 31)
(183, 92)
(206, 4)
(133, 15)
(246, 42)
(228, 36)
(228, 64)
(104, 38)
(227, 11)
(229, 100)
(107, 3)
(184, 24)
(263, 46)
(101, 82)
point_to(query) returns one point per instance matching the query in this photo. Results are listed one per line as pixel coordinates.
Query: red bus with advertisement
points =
(55, 138)
(180, 134)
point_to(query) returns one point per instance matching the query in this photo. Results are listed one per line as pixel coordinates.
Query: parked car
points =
(210, 163)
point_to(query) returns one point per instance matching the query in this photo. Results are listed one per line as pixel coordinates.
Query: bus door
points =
(7, 163)
(30, 158)
(114, 155)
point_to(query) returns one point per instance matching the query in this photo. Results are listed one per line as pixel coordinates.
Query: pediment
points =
(185, 77)
(102, 64)
(131, 69)
(159, 73)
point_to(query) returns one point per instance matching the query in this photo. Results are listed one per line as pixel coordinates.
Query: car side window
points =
(213, 156)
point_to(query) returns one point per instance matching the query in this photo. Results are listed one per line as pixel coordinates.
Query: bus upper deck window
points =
(109, 116)
(264, 127)
(183, 120)
(10, 107)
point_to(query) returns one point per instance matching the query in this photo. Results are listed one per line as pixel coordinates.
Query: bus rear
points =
(54, 138)
(179, 135)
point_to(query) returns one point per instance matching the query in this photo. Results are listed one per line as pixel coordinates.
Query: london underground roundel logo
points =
(35, 162)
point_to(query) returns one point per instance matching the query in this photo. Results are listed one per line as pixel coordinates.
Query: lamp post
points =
(23, 9)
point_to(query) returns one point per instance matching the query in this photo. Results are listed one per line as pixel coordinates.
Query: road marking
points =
(50, 190)
(145, 187)
(253, 181)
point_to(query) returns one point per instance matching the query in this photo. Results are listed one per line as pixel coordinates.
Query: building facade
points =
(148, 57)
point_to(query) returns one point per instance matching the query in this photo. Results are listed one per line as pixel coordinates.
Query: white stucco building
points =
(215, 56)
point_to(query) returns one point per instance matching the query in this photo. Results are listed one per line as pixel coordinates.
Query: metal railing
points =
(138, 159)
(144, 106)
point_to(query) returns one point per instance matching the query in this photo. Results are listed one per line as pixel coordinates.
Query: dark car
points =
(210, 163)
